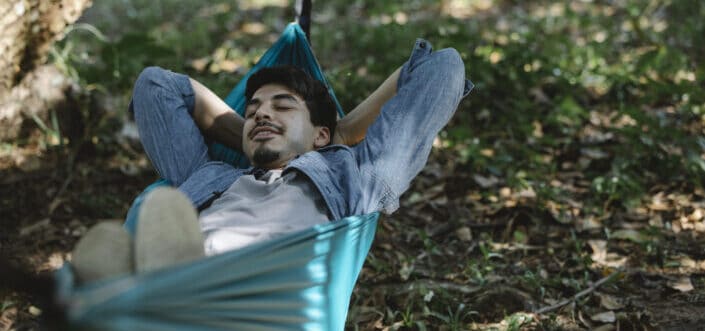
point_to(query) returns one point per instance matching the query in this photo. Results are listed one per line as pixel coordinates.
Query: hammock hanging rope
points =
(302, 281)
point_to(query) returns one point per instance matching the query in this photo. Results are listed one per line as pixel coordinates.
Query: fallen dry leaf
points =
(485, 182)
(464, 233)
(600, 255)
(56, 261)
(657, 203)
(527, 193)
(699, 227)
(604, 317)
(609, 302)
(588, 223)
(599, 249)
(630, 234)
(682, 284)
(687, 262)
(7, 318)
(34, 311)
(696, 216)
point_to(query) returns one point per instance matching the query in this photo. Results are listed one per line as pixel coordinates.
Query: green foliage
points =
(566, 65)
(557, 66)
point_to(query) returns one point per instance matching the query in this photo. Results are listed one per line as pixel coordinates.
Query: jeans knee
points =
(157, 88)
(148, 82)
(450, 55)
(447, 62)
(442, 68)
(149, 76)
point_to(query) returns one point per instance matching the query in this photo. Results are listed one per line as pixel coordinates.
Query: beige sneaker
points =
(104, 251)
(167, 231)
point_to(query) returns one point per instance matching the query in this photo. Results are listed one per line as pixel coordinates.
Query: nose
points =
(263, 112)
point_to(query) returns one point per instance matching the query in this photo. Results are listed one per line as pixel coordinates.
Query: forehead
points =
(270, 91)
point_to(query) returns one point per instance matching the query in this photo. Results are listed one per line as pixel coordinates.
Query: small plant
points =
(476, 272)
(51, 134)
(409, 320)
(534, 282)
(487, 253)
(430, 246)
(454, 319)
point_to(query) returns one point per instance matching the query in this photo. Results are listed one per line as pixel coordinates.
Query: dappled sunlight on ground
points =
(465, 9)
(255, 4)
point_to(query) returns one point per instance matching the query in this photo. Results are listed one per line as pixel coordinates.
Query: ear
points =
(322, 137)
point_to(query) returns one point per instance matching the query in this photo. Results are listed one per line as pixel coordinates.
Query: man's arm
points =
(221, 123)
(353, 127)
(215, 118)
(399, 141)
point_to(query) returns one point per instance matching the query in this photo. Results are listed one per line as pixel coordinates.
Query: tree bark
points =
(29, 87)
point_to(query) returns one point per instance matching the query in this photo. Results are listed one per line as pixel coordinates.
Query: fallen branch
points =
(34, 227)
(56, 200)
(579, 294)
(406, 287)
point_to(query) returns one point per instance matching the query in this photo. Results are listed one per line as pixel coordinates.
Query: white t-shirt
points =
(254, 210)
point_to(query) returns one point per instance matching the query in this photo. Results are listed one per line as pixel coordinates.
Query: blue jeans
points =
(163, 103)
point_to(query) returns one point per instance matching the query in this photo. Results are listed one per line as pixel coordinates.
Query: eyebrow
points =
(285, 96)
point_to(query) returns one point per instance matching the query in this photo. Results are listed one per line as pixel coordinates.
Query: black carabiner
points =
(303, 16)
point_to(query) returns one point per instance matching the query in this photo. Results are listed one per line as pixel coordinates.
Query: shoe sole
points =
(104, 251)
(168, 231)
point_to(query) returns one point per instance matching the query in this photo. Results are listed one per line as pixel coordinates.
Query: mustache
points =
(268, 124)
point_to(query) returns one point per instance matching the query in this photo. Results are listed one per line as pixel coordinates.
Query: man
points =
(303, 171)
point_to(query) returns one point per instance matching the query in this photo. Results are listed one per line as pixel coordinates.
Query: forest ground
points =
(548, 203)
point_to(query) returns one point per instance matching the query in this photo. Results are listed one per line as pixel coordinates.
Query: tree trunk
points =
(29, 87)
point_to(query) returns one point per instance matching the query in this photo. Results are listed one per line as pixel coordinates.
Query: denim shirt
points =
(372, 175)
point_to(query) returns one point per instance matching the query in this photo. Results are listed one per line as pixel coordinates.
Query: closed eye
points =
(251, 107)
(251, 110)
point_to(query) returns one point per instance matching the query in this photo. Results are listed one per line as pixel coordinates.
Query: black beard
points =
(264, 156)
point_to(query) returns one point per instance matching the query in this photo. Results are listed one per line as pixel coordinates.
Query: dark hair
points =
(320, 104)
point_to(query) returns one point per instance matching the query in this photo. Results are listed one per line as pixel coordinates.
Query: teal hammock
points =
(302, 281)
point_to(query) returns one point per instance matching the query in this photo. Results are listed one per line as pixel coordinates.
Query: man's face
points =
(278, 127)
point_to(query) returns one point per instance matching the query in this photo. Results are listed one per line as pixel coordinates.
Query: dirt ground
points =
(452, 258)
